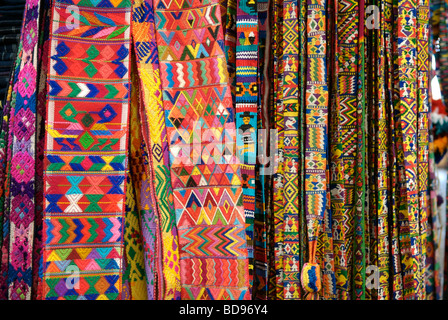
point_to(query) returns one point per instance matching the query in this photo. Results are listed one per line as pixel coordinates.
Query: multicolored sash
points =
(19, 207)
(86, 149)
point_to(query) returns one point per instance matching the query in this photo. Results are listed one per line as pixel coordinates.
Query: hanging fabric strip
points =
(442, 55)
(142, 21)
(343, 191)
(422, 133)
(133, 242)
(4, 180)
(290, 108)
(86, 150)
(360, 229)
(303, 54)
(44, 51)
(205, 171)
(278, 181)
(264, 167)
(230, 43)
(325, 248)
(336, 167)
(399, 219)
(383, 161)
(432, 285)
(247, 101)
(315, 142)
(371, 80)
(394, 148)
(407, 75)
(22, 159)
(148, 67)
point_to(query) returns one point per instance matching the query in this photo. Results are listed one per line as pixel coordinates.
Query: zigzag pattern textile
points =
(224, 150)
(205, 171)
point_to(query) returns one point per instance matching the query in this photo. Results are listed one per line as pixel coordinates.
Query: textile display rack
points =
(224, 150)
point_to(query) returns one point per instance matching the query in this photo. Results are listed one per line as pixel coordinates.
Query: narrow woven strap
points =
(344, 135)
(230, 45)
(291, 143)
(44, 51)
(442, 55)
(247, 100)
(383, 160)
(325, 248)
(360, 222)
(315, 140)
(395, 150)
(423, 68)
(19, 210)
(407, 106)
(4, 190)
(278, 125)
(135, 274)
(265, 165)
(86, 150)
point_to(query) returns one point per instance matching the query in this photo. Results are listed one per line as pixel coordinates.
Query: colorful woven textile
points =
(278, 124)
(423, 68)
(246, 104)
(290, 111)
(344, 152)
(20, 206)
(155, 137)
(407, 77)
(224, 149)
(41, 109)
(205, 173)
(86, 150)
(315, 140)
(135, 273)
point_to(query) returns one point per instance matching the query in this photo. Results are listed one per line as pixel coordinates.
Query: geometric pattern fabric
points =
(86, 150)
